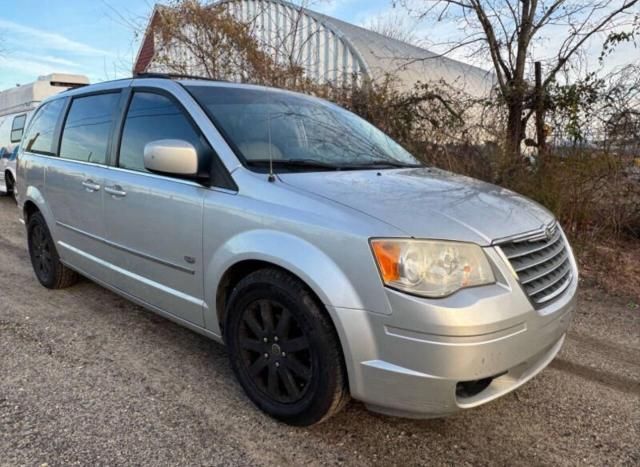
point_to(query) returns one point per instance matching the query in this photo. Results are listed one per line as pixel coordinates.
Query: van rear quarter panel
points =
(31, 185)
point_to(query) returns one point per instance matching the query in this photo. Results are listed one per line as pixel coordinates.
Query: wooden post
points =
(540, 103)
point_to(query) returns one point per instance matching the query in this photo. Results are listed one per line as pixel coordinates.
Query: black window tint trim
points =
(223, 178)
(116, 114)
(57, 133)
(116, 137)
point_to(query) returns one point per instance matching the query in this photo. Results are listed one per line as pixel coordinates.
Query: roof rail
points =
(174, 76)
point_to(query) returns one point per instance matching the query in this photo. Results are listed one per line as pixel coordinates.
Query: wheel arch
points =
(241, 269)
(238, 271)
(34, 201)
(29, 209)
(252, 250)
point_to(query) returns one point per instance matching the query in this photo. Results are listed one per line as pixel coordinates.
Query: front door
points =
(154, 222)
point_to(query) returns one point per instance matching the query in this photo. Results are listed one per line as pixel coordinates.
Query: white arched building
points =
(330, 50)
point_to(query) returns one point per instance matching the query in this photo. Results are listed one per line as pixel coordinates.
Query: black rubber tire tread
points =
(10, 182)
(335, 381)
(7, 182)
(62, 276)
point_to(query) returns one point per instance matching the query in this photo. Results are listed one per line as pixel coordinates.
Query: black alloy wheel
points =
(46, 263)
(284, 349)
(41, 256)
(275, 351)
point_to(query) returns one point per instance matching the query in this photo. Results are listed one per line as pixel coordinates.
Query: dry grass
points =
(613, 266)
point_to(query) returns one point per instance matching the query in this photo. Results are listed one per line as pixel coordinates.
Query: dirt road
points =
(88, 378)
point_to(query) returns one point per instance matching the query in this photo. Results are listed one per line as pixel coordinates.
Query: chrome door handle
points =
(116, 191)
(90, 185)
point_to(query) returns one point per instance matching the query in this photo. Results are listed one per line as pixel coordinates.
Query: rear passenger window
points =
(152, 117)
(17, 128)
(39, 138)
(87, 129)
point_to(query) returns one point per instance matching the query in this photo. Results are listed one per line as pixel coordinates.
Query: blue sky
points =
(95, 37)
(78, 36)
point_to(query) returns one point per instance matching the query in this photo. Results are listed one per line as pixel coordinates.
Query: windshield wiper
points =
(312, 164)
(293, 164)
(381, 164)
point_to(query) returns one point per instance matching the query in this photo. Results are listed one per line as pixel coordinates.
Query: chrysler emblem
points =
(548, 232)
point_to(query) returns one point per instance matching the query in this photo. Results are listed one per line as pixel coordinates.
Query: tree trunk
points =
(514, 127)
(540, 104)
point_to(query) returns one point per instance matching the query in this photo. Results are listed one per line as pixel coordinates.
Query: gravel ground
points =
(89, 378)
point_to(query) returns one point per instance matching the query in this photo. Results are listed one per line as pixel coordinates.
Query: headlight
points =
(431, 268)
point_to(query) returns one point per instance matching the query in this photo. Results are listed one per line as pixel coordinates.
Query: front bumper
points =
(414, 362)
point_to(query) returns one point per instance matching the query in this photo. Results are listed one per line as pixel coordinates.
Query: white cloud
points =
(49, 40)
(33, 67)
(46, 59)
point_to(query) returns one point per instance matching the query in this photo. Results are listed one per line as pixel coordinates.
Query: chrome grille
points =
(542, 264)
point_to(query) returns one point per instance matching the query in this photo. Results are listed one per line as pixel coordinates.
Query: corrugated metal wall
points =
(293, 36)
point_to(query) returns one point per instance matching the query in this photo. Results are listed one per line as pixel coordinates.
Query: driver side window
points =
(152, 117)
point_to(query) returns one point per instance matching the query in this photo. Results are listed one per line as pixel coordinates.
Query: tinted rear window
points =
(39, 139)
(87, 130)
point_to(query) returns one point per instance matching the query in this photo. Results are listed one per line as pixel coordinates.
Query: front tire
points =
(284, 349)
(49, 271)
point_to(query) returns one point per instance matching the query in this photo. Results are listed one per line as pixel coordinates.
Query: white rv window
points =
(17, 127)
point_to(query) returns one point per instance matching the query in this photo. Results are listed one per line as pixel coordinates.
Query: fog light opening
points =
(472, 388)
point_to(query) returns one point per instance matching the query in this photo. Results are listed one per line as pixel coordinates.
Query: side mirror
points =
(171, 156)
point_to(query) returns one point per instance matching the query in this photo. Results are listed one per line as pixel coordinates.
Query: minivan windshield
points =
(296, 133)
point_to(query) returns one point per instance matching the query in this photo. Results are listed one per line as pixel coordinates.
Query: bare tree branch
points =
(509, 30)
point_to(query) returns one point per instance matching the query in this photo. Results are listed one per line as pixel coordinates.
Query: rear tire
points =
(49, 271)
(284, 349)
(10, 185)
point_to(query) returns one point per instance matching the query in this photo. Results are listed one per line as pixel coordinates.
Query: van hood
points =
(428, 203)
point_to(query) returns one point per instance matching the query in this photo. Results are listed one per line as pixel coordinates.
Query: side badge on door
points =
(190, 259)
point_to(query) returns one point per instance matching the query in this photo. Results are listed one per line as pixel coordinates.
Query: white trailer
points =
(16, 107)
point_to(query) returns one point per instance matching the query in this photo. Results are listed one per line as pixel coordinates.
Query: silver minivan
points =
(330, 262)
